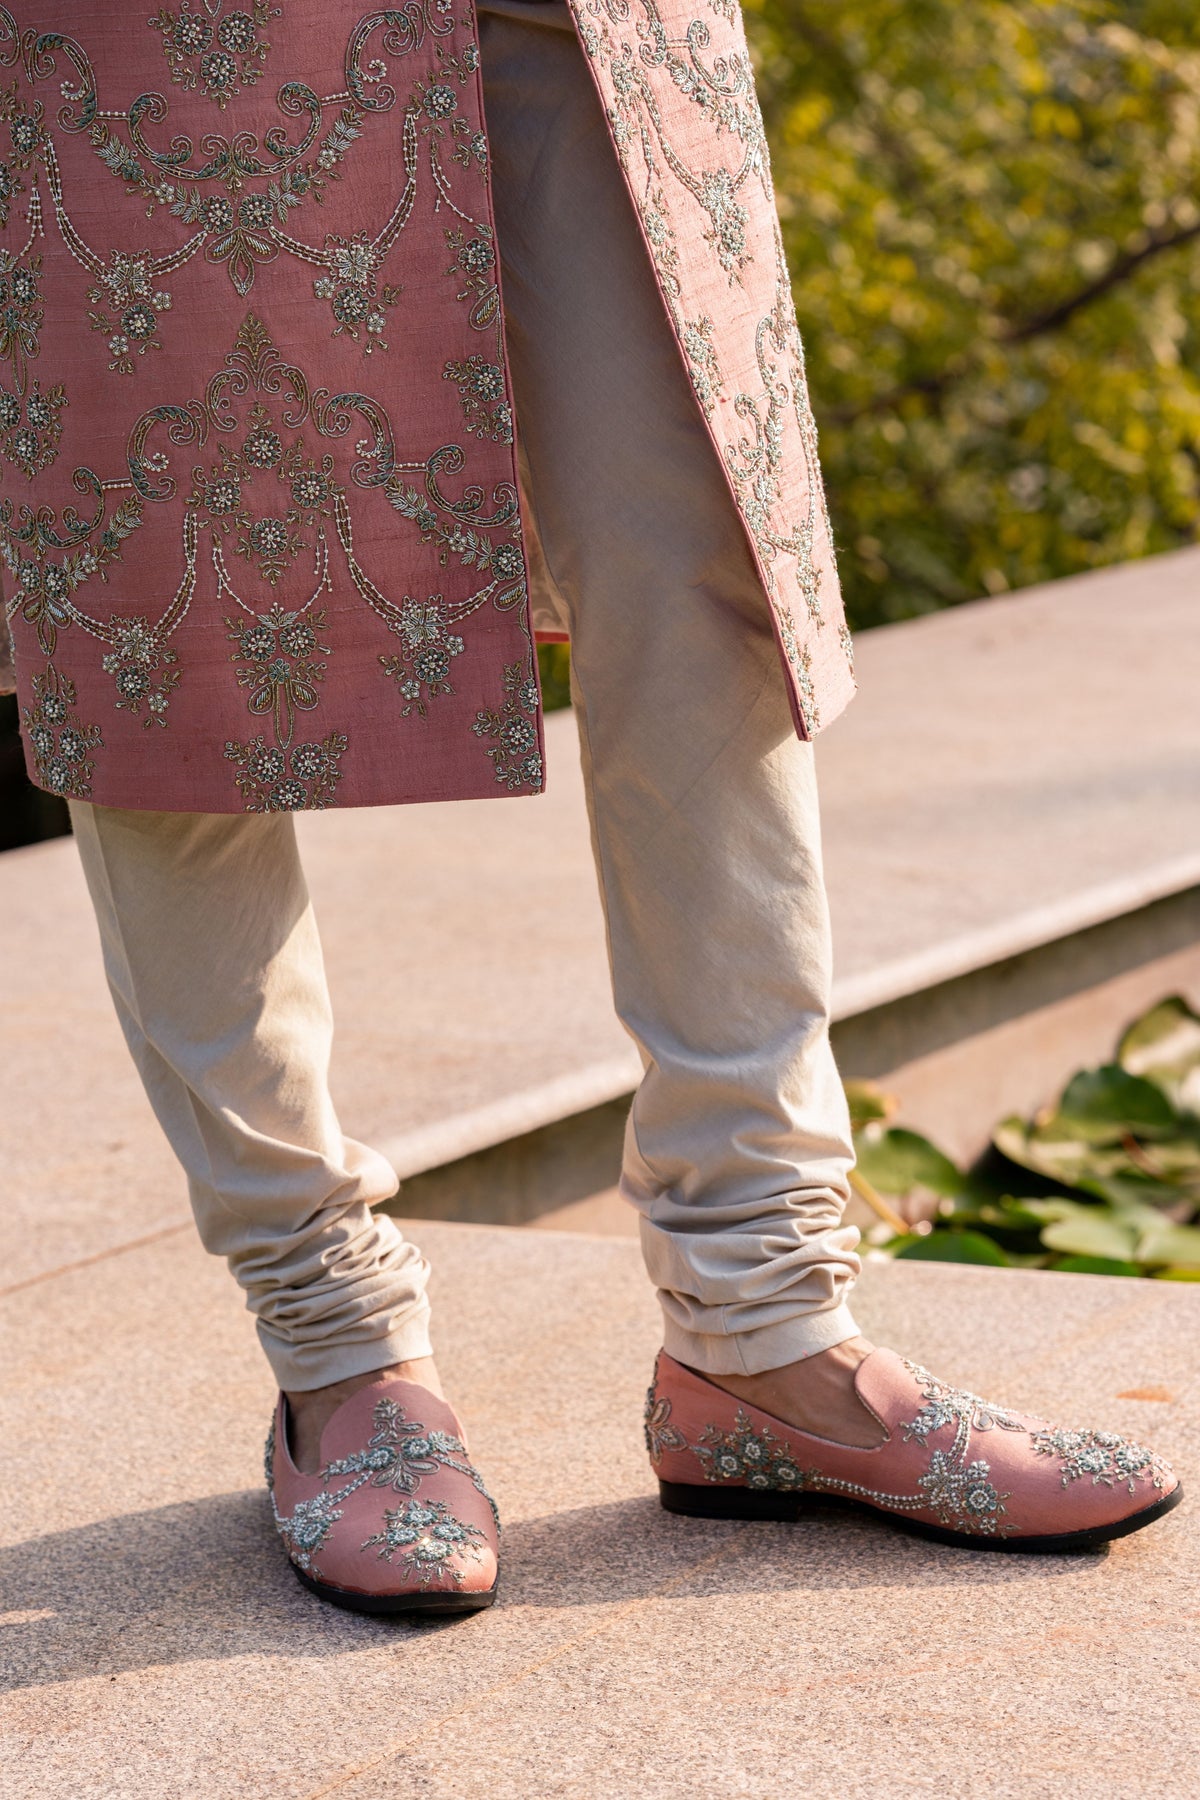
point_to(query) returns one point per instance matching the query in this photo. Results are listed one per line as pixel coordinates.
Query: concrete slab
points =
(154, 1646)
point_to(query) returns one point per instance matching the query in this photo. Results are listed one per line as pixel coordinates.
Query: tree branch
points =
(933, 385)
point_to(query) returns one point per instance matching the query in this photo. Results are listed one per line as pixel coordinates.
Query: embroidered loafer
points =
(953, 1467)
(398, 1520)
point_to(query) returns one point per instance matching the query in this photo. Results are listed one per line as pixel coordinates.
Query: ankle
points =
(816, 1395)
(308, 1411)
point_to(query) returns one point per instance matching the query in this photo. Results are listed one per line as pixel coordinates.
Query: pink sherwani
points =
(260, 522)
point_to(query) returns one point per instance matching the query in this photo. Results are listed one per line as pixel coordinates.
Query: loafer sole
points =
(751, 1503)
(388, 1605)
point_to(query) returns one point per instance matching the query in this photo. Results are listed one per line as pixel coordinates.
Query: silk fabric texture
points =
(259, 509)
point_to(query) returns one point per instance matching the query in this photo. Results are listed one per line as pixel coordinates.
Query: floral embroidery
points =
(423, 669)
(143, 671)
(62, 744)
(513, 730)
(763, 429)
(218, 58)
(1109, 1460)
(276, 653)
(401, 1451)
(358, 301)
(304, 1531)
(756, 1459)
(128, 284)
(427, 1538)
(241, 463)
(958, 1490)
(961, 1494)
(483, 395)
(45, 586)
(31, 427)
(22, 310)
(659, 1433)
(303, 780)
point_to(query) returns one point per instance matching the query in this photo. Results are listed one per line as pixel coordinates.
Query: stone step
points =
(1012, 822)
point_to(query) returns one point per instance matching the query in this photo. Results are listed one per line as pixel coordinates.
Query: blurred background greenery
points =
(992, 215)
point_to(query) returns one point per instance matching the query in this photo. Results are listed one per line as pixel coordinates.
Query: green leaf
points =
(897, 1162)
(1100, 1235)
(1175, 1245)
(1176, 1275)
(868, 1103)
(1050, 1150)
(1094, 1265)
(953, 1247)
(1108, 1104)
(1164, 1046)
(1132, 1190)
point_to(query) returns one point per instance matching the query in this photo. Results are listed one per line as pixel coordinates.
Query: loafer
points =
(398, 1519)
(952, 1467)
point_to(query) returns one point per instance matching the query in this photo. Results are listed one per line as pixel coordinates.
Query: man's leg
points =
(702, 800)
(214, 963)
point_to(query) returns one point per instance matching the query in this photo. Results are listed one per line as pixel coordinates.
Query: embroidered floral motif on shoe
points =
(1109, 1460)
(757, 1459)
(427, 1539)
(401, 1451)
(305, 1531)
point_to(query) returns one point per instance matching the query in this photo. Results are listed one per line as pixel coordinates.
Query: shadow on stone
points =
(206, 1580)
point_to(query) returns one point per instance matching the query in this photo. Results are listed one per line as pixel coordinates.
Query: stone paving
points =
(154, 1645)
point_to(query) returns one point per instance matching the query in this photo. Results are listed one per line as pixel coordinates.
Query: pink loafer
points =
(398, 1520)
(953, 1467)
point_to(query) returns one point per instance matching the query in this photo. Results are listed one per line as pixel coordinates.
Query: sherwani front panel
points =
(259, 510)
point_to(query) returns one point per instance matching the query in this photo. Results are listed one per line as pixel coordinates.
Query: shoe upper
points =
(397, 1507)
(949, 1458)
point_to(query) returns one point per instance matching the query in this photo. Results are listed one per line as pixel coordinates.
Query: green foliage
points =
(554, 668)
(1106, 1182)
(991, 215)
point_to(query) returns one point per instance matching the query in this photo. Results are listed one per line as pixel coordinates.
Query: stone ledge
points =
(1014, 769)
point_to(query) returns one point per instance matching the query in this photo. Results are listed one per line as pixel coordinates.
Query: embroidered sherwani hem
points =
(262, 536)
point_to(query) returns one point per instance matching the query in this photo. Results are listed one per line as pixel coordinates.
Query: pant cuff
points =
(753, 1352)
(300, 1367)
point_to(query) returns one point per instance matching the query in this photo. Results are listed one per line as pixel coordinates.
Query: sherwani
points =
(701, 793)
(260, 516)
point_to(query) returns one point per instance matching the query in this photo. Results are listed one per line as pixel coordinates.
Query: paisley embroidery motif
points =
(659, 1433)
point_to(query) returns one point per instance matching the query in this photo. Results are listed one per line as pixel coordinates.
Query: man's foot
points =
(396, 1518)
(309, 1413)
(947, 1466)
(816, 1395)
